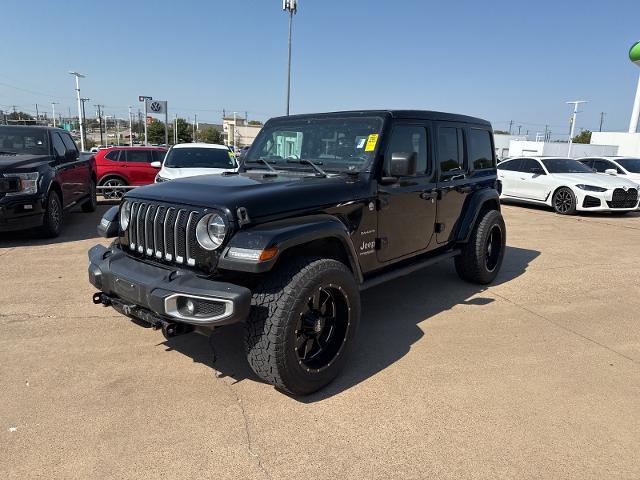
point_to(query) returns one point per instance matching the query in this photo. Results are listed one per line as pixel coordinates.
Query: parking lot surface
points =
(536, 376)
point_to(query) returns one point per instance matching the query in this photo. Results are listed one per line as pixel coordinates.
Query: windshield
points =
(565, 165)
(198, 157)
(630, 164)
(24, 140)
(339, 144)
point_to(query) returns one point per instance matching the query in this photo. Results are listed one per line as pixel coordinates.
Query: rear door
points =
(139, 166)
(81, 171)
(64, 168)
(507, 172)
(407, 208)
(453, 183)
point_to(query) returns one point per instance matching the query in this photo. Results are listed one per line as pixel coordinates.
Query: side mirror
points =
(611, 171)
(403, 164)
(110, 223)
(156, 164)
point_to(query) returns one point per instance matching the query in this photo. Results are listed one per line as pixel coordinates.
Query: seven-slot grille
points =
(624, 199)
(163, 232)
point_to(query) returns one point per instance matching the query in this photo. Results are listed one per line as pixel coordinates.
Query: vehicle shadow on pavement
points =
(77, 226)
(391, 313)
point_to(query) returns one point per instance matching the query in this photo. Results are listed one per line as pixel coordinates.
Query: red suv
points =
(126, 166)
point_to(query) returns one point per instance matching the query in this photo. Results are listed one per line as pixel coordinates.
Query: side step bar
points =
(401, 272)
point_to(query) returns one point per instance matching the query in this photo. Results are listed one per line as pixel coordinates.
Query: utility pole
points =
(291, 7)
(78, 77)
(546, 132)
(175, 129)
(195, 132)
(573, 123)
(602, 114)
(235, 118)
(53, 112)
(84, 132)
(519, 128)
(37, 114)
(130, 129)
(99, 113)
(510, 126)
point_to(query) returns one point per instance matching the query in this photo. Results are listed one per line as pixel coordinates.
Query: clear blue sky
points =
(499, 60)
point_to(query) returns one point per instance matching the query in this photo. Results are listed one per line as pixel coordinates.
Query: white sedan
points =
(566, 185)
(194, 159)
(626, 167)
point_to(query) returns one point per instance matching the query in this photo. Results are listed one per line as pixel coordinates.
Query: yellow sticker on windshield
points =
(371, 142)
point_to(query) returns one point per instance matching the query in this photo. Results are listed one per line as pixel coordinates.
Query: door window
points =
(70, 144)
(528, 165)
(58, 145)
(138, 156)
(450, 149)
(602, 165)
(158, 155)
(113, 155)
(510, 165)
(480, 149)
(588, 162)
(409, 138)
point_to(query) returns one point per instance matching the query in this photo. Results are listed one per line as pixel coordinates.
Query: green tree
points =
(19, 116)
(184, 131)
(500, 132)
(210, 135)
(583, 137)
(155, 132)
(254, 122)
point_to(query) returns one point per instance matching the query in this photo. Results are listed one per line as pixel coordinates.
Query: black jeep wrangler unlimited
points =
(323, 206)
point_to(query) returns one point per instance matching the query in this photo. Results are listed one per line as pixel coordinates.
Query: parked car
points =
(42, 174)
(324, 206)
(627, 167)
(120, 167)
(193, 159)
(566, 185)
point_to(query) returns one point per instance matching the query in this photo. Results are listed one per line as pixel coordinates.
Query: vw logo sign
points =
(155, 106)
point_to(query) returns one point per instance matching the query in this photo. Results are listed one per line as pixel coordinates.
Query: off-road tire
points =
(563, 208)
(92, 202)
(276, 310)
(477, 263)
(53, 216)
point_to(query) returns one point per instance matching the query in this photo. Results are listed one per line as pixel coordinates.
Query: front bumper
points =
(21, 212)
(589, 201)
(154, 294)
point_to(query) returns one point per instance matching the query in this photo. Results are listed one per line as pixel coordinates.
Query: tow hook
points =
(100, 298)
(170, 329)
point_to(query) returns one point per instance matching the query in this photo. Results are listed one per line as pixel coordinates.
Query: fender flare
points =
(473, 208)
(286, 234)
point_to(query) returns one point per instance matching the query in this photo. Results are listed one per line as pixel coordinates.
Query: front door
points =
(453, 183)
(139, 166)
(407, 208)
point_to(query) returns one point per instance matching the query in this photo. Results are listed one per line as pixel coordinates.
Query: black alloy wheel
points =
(494, 246)
(322, 328)
(564, 201)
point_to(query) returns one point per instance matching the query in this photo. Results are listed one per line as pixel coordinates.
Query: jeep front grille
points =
(163, 232)
(624, 199)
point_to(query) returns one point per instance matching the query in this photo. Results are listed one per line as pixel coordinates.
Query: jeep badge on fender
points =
(322, 207)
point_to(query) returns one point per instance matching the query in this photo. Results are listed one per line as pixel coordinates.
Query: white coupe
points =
(566, 185)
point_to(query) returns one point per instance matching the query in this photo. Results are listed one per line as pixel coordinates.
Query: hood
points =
(261, 194)
(22, 163)
(595, 179)
(170, 173)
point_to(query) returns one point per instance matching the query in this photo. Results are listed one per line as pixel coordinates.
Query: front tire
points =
(53, 216)
(564, 201)
(482, 255)
(303, 320)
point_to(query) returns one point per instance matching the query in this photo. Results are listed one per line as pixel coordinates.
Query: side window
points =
(528, 164)
(480, 150)
(587, 162)
(450, 149)
(138, 156)
(113, 155)
(58, 145)
(510, 165)
(158, 155)
(409, 138)
(602, 165)
(69, 143)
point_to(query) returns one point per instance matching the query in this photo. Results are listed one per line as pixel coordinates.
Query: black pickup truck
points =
(323, 206)
(42, 173)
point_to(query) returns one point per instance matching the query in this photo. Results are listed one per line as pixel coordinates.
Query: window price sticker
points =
(371, 142)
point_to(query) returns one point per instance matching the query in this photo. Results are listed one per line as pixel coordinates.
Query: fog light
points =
(190, 306)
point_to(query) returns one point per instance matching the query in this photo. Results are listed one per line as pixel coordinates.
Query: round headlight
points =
(211, 231)
(125, 215)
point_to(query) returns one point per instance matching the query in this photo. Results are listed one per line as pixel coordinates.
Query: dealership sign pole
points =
(144, 99)
(634, 56)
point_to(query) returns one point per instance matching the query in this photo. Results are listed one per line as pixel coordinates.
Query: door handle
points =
(429, 195)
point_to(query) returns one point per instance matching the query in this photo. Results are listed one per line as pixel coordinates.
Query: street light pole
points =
(78, 77)
(291, 7)
(573, 123)
(130, 129)
(84, 121)
(53, 108)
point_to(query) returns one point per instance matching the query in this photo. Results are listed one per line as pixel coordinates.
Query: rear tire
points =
(92, 203)
(482, 255)
(303, 320)
(116, 193)
(564, 201)
(53, 216)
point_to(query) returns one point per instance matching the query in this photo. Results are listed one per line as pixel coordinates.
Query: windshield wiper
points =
(304, 161)
(265, 162)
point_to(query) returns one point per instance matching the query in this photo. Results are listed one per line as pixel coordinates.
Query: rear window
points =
(199, 158)
(480, 149)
